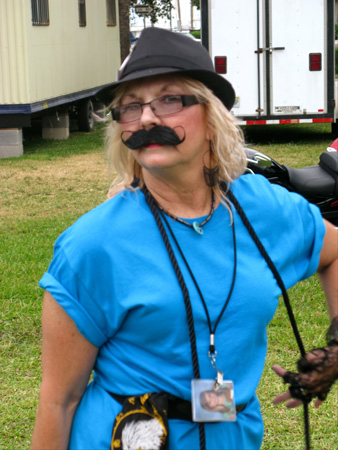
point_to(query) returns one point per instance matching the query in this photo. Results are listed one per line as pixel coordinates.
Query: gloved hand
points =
(317, 372)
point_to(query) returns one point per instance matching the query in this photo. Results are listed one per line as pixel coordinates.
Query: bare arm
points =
(319, 368)
(328, 269)
(67, 362)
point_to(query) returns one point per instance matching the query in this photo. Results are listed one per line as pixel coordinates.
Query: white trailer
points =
(54, 57)
(278, 55)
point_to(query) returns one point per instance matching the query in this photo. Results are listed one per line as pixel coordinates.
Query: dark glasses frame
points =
(186, 100)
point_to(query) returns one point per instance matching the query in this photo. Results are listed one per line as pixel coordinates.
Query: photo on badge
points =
(210, 404)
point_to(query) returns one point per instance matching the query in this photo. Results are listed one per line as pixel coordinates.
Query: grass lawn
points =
(44, 192)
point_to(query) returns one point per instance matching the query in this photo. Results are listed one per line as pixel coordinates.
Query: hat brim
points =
(219, 85)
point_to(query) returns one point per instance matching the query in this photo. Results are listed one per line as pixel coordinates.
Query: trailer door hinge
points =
(268, 49)
(332, 103)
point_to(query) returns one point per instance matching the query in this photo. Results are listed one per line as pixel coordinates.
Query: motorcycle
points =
(318, 184)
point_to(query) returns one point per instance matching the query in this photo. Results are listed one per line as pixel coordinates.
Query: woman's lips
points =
(153, 145)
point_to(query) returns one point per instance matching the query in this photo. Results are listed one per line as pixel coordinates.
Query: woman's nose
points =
(148, 117)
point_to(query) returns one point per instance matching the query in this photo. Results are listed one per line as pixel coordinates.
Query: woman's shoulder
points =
(272, 207)
(258, 191)
(105, 220)
(248, 185)
(271, 204)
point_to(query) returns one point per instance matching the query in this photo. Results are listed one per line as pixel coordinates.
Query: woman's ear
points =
(209, 134)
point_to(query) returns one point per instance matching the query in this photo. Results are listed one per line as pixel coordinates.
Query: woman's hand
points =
(318, 369)
(317, 372)
(286, 396)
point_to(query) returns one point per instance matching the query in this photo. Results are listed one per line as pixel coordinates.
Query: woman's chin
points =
(155, 157)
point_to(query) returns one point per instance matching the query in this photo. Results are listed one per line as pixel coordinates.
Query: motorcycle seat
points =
(312, 180)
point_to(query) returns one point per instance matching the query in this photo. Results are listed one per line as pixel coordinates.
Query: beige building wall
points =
(43, 62)
(14, 80)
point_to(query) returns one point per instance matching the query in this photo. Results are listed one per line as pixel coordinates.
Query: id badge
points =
(211, 402)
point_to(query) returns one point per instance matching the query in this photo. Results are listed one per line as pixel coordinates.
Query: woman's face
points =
(191, 121)
(211, 399)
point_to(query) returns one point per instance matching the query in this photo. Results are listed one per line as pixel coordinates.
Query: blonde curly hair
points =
(227, 144)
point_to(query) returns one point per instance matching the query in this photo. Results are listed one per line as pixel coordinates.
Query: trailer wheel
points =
(85, 116)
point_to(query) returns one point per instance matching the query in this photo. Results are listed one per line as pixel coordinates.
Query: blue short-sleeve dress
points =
(112, 274)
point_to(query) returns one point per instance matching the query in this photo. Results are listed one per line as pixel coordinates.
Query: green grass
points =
(45, 191)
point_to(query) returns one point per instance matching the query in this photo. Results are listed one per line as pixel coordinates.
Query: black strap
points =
(272, 267)
(177, 407)
(286, 299)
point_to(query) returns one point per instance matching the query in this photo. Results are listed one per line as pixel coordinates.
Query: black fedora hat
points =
(160, 51)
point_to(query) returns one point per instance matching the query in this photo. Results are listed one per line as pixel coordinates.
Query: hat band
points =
(158, 63)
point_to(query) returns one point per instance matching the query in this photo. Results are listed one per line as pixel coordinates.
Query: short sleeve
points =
(309, 229)
(64, 281)
(290, 228)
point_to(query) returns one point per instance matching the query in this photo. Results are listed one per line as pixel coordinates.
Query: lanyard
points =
(186, 298)
(212, 329)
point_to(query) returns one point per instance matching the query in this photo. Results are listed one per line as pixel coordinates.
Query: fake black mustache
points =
(159, 135)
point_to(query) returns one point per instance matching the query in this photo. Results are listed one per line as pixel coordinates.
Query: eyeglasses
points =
(163, 106)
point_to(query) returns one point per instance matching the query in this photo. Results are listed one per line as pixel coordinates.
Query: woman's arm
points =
(328, 269)
(67, 362)
(319, 368)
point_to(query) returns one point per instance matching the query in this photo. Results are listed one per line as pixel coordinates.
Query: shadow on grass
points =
(282, 134)
(77, 143)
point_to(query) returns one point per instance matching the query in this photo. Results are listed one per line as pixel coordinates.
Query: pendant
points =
(210, 404)
(197, 228)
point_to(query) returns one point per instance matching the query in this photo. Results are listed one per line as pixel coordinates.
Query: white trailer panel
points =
(300, 28)
(233, 32)
(267, 45)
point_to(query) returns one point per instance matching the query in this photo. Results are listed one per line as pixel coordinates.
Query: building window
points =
(82, 13)
(111, 13)
(40, 12)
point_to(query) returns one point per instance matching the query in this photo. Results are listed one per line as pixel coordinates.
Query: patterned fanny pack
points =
(143, 421)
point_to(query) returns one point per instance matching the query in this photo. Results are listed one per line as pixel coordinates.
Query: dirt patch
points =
(39, 187)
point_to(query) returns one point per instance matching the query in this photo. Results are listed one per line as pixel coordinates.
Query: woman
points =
(149, 287)
(220, 400)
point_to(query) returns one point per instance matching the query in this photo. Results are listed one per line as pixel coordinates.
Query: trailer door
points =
(235, 31)
(295, 57)
(277, 54)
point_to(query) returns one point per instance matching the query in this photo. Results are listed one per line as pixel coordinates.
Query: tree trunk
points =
(124, 28)
(179, 15)
(191, 15)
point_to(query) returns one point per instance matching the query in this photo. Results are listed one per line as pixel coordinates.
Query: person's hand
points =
(286, 396)
(317, 372)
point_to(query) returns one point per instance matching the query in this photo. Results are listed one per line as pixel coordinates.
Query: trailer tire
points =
(85, 115)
